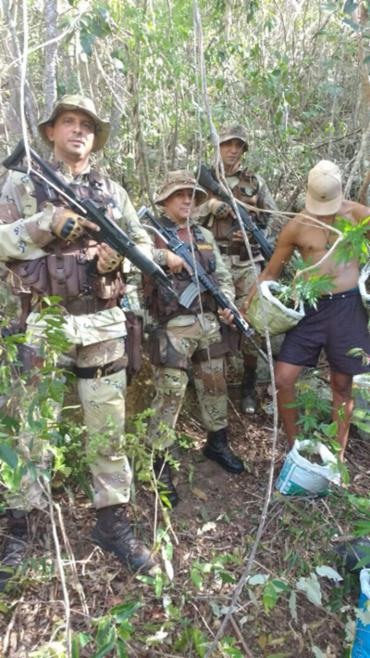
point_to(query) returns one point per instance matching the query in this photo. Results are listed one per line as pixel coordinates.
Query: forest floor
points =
(212, 532)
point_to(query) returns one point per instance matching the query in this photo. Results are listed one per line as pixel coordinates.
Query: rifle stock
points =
(109, 232)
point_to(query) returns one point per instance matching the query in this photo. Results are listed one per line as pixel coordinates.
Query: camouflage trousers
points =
(244, 276)
(187, 334)
(103, 404)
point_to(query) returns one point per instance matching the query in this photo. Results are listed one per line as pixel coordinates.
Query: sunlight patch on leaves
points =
(328, 572)
(311, 587)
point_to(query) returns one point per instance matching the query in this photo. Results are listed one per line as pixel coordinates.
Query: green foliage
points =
(229, 649)
(94, 25)
(309, 290)
(271, 593)
(191, 640)
(31, 398)
(354, 245)
(305, 288)
(291, 76)
(114, 630)
(201, 570)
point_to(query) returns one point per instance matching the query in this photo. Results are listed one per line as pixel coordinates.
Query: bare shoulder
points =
(290, 232)
(355, 211)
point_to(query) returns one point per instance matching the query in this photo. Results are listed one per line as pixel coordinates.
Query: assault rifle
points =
(200, 281)
(206, 179)
(110, 232)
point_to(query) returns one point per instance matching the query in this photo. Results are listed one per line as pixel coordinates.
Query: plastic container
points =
(301, 477)
(361, 397)
(361, 644)
(364, 285)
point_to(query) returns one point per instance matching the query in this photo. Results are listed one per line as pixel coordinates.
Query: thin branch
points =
(66, 601)
(238, 589)
(23, 86)
(235, 625)
(42, 45)
(363, 150)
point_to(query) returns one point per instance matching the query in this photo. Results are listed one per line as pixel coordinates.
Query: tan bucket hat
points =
(181, 179)
(233, 132)
(324, 194)
(83, 104)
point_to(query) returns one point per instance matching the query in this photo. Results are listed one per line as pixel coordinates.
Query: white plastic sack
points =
(361, 397)
(269, 309)
(300, 477)
(365, 296)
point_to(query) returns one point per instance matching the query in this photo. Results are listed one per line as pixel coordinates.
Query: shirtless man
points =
(339, 322)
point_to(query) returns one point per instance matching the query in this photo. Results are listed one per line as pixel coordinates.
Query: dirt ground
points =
(214, 524)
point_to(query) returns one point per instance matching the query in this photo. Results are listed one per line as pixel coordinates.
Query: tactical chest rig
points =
(245, 190)
(67, 271)
(163, 307)
(160, 350)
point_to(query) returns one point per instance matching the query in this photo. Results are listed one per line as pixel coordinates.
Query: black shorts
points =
(338, 324)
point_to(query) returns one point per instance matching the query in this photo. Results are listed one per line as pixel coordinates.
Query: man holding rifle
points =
(187, 329)
(49, 251)
(219, 217)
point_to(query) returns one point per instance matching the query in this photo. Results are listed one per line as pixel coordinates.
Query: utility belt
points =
(161, 351)
(96, 372)
(239, 249)
(131, 360)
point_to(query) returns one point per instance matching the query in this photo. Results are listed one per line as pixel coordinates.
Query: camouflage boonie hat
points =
(82, 104)
(233, 132)
(179, 180)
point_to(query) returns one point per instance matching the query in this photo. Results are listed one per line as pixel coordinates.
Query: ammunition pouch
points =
(66, 275)
(214, 351)
(162, 353)
(231, 338)
(221, 228)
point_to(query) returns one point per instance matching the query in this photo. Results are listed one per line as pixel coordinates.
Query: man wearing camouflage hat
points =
(185, 337)
(49, 252)
(251, 189)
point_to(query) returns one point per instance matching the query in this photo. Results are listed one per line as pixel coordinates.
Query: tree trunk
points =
(49, 85)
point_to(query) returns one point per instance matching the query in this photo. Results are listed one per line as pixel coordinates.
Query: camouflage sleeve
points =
(16, 243)
(224, 277)
(22, 230)
(130, 222)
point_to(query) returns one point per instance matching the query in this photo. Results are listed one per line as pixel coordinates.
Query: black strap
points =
(95, 372)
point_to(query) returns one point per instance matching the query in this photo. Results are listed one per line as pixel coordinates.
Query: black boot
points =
(217, 448)
(113, 533)
(162, 471)
(248, 400)
(15, 546)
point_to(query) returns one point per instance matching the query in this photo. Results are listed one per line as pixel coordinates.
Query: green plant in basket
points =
(305, 288)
